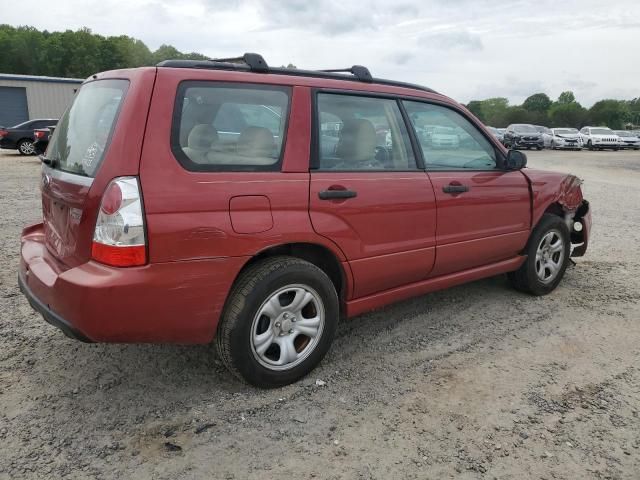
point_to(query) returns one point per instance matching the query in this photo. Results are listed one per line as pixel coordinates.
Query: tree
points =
(475, 107)
(538, 102)
(517, 115)
(568, 115)
(612, 113)
(566, 98)
(80, 53)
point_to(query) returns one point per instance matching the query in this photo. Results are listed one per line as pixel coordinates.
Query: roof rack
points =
(254, 62)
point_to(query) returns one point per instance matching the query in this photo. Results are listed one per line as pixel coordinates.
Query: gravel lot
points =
(474, 382)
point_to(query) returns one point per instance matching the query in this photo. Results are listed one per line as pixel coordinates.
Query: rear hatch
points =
(91, 145)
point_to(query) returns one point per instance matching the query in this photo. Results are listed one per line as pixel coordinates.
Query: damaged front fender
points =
(561, 194)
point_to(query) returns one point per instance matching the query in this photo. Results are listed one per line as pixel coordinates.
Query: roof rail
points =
(253, 62)
(361, 73)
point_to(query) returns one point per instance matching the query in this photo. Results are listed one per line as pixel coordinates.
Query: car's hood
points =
(630, 139)
(562, 187)
(527, 134)
(567, 135)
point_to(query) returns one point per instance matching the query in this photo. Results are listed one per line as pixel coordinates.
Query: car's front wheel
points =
(25, 147)
(278, 323)
(547, 253)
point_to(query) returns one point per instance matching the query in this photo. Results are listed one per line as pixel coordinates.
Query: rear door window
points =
(361, 133)
(84, 132)
(229, 127)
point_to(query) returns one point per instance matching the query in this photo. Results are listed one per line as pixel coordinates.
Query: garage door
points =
(13, 106)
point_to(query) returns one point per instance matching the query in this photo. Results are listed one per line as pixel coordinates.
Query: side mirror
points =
(516, 160)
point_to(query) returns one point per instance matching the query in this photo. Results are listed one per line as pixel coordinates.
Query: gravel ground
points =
(478, 381)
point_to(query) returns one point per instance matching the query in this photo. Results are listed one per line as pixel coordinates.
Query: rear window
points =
(84, 131)
(220, 126)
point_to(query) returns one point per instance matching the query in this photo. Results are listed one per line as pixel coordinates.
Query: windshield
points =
(601, 131)
(565, 131)
(524, 129)
(84, 131)
(492, 130)
(622, 133)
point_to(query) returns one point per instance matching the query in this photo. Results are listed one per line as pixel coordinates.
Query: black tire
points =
(590, 145)
(538, 148)
(249, 293)
(25, 147)
(525, 279)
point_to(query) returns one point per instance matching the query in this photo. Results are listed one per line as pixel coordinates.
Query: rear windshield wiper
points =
(51, 162)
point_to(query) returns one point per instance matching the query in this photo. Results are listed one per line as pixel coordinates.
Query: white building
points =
(27, 97)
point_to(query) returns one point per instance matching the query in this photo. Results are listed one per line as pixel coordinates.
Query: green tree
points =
(566, 98)
(517, 114)
(475, 107)
(568, 115)
(612, 113)
(538, 102)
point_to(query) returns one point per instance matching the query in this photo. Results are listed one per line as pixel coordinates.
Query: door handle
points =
(453, 188)
(336, 194)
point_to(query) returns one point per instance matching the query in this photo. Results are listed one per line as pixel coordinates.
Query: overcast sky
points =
(467, 49)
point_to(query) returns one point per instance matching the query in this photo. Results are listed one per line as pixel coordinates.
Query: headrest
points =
(201, 137)
(256, 142)
(357, 141)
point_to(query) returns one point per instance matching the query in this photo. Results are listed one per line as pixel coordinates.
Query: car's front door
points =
(367, 193)
(483, 211)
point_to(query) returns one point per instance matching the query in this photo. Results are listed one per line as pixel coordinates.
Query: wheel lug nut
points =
(291, 331)
(278, 324)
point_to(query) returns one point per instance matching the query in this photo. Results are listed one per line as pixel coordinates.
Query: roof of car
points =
(255, 63)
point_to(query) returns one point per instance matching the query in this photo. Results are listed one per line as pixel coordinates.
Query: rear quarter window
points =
(218, 126)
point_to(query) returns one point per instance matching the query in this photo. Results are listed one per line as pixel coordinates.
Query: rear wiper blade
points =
(51, 162)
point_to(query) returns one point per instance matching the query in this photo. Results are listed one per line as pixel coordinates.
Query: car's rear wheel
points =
(278, 323)
(547, 251)
(25, 147)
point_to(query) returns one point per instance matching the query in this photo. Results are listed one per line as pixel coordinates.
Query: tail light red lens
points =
(39, 135)
(4, 133)
(112, 199)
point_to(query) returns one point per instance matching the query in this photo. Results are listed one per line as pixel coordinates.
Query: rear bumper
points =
(7, 143)
(49, 315)
(173, 302)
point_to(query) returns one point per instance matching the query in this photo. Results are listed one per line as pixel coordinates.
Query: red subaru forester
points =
(226, 200)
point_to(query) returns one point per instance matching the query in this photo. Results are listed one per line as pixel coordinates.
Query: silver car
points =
(568, 138)
(628, 139)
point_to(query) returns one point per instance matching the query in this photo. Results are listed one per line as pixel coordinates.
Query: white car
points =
(444, 137)
(565, 138)
(599, 138)
(628, 139)
(545, 133)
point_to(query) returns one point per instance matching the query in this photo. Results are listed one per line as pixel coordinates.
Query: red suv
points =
(228, 201)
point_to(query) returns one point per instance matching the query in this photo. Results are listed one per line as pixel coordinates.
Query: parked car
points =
(444, 137)
(20, 137)
(628, 139)
(520, 135)
(568, 138)
(41, 137)
(599, 138)
(497, 133)
(262, 243)
(545, 133)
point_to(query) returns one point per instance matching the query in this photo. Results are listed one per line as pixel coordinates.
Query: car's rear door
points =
(367, 193)
(483, 211)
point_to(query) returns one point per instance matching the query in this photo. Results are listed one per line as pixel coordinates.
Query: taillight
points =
(119, 238)
(39, 134)
(4, 133)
